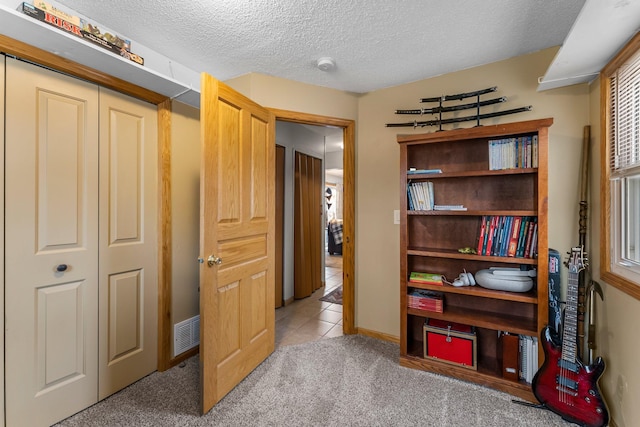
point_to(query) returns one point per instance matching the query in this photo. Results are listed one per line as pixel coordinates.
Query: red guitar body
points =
(569, 390)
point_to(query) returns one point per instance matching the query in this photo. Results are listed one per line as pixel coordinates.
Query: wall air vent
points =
(186, 335)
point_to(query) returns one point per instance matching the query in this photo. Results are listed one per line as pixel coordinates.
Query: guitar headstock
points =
(577, 260)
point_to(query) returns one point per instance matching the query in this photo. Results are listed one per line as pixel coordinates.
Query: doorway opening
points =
(311, 318)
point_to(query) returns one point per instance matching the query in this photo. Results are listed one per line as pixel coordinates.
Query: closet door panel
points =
(128, 241)
(126, 177)
(51, 245)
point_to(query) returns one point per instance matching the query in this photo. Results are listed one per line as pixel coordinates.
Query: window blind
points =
(625, 115)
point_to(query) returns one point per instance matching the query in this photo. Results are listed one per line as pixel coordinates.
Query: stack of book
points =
(425, 278)
(420, 196)
(508, 236)
(513, 153)
(426, 300)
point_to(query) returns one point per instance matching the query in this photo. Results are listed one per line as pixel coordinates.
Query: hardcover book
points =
(426, 278)
(482, 234)
(513, 240)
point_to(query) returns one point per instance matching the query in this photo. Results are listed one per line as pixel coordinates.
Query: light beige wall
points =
(618, 316)
(275, 92)
(185, 210)
(378, 186)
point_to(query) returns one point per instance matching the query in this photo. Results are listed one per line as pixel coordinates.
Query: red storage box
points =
(450, 342)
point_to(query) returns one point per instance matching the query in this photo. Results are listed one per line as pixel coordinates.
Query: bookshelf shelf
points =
(480, 292)
(466, 174)
(483, 376)
(430, 241)
(480, 319)
(454, 254)
(471, 213)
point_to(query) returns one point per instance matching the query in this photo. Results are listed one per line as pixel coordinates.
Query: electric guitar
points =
(563, 384)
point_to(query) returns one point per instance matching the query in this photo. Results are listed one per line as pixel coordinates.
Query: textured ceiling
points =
(375, 43)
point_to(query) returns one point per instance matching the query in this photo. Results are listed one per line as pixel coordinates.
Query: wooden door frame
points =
(349, 174)
(279, 234)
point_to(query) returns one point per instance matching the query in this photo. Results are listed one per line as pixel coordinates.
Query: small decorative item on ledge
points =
(459, 107)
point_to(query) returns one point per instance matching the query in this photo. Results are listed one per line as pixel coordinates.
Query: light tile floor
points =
(310, 319)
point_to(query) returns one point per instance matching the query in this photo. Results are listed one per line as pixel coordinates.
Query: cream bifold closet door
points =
(80, 244)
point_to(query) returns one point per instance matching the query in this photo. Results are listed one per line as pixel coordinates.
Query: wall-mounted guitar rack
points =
(459, 107)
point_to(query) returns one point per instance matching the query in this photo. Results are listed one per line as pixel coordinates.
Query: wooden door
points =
(316, 213)
(237, 316)
(128, 241)
(51, 245)
(302, 277)
(308, 213)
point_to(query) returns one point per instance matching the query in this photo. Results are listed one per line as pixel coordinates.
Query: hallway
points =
(310, 319)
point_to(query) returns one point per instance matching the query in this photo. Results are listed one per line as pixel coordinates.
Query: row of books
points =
(528, 354)
(426, 300)
(513, 153)
(508, 236)
(420, 196)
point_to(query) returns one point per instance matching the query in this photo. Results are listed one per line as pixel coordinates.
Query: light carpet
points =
(343, 381)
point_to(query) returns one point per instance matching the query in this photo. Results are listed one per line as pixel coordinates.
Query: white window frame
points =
(615, 268)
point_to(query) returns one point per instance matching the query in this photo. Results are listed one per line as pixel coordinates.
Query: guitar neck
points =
(570, 331)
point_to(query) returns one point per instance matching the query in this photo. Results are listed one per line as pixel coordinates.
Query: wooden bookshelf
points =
(429, 242)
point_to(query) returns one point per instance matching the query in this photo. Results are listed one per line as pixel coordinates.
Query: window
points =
(620, 220)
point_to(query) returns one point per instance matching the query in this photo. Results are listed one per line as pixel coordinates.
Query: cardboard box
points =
(85, 32)
(48, 7)
(450, 342)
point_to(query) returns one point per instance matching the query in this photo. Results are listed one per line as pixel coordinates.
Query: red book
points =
(530, 236)
(513, 239)
(527, 243)
(481, 238)
(492, 229)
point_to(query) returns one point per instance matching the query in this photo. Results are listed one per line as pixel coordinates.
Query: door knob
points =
(214, 260)
(211, 261)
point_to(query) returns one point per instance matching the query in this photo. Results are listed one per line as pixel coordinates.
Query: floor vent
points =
(186, 335)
